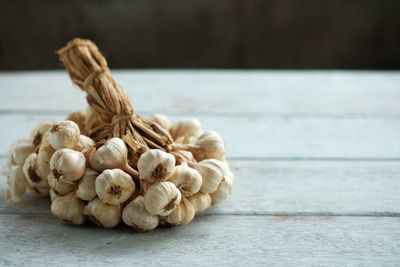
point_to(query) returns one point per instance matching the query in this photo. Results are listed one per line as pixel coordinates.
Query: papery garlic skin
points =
(87, 188)
(188, 180)
(212, 172)
(210, 146)
(186, 129)
(114, 186)
(59, 186)
(40, 130)
(155, 165)
(20, 150)
(200, 202)
(161, 198)
(183, 214)
(37, 183)
(64, 135)
(103, 214)
(16, 183)
(224, 189)
(113, 154)
(68, 165)
(136, 216)
(162, 120)
(69, 209)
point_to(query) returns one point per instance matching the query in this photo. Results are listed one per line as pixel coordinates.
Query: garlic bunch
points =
(114, 186)
(156, 165)
(162, 198)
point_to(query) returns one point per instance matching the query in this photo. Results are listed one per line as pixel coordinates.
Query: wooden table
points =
(316, 155)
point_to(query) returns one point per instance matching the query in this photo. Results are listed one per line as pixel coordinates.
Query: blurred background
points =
(279, 34)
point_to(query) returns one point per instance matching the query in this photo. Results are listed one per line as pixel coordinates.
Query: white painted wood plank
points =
(260, 137)
(218, 92)
(208, 241)
(293, 188)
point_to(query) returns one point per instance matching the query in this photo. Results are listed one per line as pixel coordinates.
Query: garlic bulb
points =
(64, 135)
(155, 165)
(161, 120)
(86, 188)
(86, 142)
(162, 198)
(113, 154)
(20, 150)
(186, 129)
(187, 180)
(68, 165)
(16, 182)
(38, 184)
(79, 118)
(114, 186)
(209, 146)
(224, 189)
(200, 202)
(136, 216)
(59, 186)
(43, 159)
(69, 209)
(212, 171)
(183, 214)
(53, 195)
(102, 213)
(38, 133)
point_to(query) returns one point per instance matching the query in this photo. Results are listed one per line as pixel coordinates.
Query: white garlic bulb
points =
(64, 135)
(161, 120)
(86, 142)
(37, 184)
(161, 198)
(136, 216)
(155, 165)
(113, 154)
(16, 183)
(209, 146)
(224, 189)
(59, 186)
(188, 180)
(183, 214)
(67, 164)
(69, 209)
(86, 188)
(40, 130)
(212, 171)
(114, 186)
(20, 150)
(200, 202)
(102, 213)
(186, 129)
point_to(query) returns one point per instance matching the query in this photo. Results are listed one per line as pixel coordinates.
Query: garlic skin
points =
(20, 150)
(59, 186)
(16, 183)
(136, 216)
(186, 129)
(212, 171)
(69, 209)
(68, 165)
(155, 165)
(64, 135)
(114, 186)
(209, 146)
(36, 183)
(162, 120)
(87, 188)
(224, 189)
(162, 198)
(188, 180)
(200, 202)
(102, 213)
(183, 214)
(40, 130)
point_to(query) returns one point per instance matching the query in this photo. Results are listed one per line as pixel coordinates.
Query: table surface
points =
(316, 157)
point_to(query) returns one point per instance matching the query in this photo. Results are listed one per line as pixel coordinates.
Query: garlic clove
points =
(64, 135)
(161, 198)
(183, 214)
(161, 120)
(67, 164)
(87, 188)
(212, 172)
(200, 202)
(40, 130)
(20, 150)
(69, 209)
(16, 183)
(209, 146)
(102, 213)
(114, 186)
(224, 189)
(36, 183)
(136, 216)
(188, 180)
(59, 186)
(186, 129)
(156, 165)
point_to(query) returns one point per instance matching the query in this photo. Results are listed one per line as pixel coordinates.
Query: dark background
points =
(350, 34)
